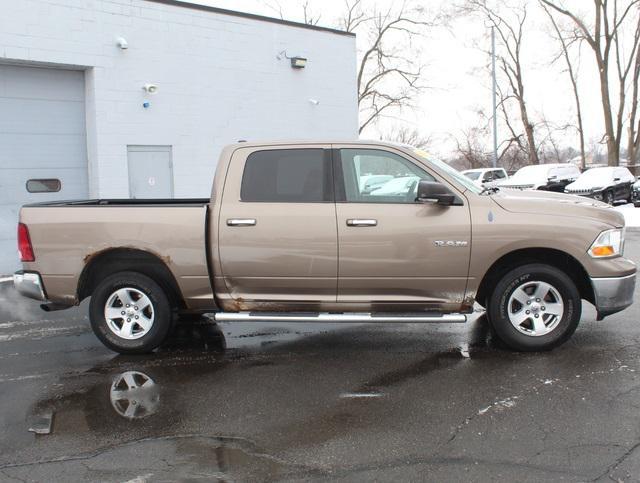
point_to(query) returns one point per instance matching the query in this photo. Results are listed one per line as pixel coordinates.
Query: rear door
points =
(277, 227)
(395, 253)
(623, 179)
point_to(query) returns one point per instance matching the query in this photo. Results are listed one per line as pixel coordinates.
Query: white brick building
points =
(73, 108)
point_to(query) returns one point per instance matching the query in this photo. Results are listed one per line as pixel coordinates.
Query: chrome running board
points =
(330, 317)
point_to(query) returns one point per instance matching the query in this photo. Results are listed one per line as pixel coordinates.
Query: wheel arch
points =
(548, 256)
(116, 260)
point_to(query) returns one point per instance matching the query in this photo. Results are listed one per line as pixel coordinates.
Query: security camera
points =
(122, 43)
(150, 88)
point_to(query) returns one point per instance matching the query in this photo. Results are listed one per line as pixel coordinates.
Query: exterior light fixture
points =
(122, 43)
(298, 62)
(150, 88)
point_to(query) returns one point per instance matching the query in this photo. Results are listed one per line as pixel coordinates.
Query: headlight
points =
(608, 244)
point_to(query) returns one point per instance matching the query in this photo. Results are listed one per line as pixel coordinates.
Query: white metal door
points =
(43, 154)
(150, 172)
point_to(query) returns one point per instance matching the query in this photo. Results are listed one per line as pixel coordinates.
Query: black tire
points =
(535, 272)
(609, 198)
(636, 204)
(162, 311)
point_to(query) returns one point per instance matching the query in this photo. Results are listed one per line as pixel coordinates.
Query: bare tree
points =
(510, 27)
(388, 75)
(605, 37)
(471, 150)
(308, 15)
(633, 131)
(550, 149)
(565, 43)
(406, 135)
(471, 145)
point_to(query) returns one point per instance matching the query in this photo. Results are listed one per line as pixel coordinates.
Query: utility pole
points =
(494, 94)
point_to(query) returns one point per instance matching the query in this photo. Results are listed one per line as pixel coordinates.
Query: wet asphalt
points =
(262, 402)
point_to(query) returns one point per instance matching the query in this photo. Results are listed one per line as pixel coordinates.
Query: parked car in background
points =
(635, 193)
(370, 182)
(486, 176)
(608, 184)
(546, 177)
(397, 186)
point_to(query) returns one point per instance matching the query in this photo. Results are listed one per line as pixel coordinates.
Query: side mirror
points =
(552, 178)
(437, 193)
(616, 179)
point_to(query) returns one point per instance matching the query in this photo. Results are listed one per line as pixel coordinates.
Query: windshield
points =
(472, 174)
(454, 173)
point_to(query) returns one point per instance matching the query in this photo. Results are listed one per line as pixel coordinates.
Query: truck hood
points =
(549, 203)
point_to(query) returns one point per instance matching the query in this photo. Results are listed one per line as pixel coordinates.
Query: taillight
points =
(24, 244)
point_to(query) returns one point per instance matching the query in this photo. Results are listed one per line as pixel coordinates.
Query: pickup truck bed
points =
(79, 237)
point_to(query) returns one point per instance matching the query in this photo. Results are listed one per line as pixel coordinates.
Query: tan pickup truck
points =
(334, 232)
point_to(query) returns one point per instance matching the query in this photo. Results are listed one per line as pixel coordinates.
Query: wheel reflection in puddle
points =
(134, 395)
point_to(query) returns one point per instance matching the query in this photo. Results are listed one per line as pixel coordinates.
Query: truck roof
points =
(288, 142)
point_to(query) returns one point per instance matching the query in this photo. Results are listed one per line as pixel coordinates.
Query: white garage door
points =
(43, 155)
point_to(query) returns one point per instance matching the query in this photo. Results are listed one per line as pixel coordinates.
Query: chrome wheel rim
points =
(134, 395)
(129, 313)
(535, 308)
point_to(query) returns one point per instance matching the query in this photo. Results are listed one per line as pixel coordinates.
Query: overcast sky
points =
(459, 83)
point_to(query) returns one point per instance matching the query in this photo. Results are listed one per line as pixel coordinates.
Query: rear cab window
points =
(288, 176)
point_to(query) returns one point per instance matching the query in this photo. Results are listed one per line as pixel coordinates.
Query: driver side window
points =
(375, 176)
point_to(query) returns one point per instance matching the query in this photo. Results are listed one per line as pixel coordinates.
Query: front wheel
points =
(130, 313)
(534, 307)
(608, 197)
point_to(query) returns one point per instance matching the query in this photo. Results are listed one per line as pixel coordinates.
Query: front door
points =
(395, 253)
(278, 239)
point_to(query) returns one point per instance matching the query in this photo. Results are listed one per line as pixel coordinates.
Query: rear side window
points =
(288, 176)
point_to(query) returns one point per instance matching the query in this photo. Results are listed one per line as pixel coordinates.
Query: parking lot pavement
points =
(345, 402)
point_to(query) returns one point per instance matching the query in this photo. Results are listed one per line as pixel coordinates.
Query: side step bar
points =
(330, 317)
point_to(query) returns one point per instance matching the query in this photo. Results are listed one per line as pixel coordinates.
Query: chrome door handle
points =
(361, 222)
(241, 222)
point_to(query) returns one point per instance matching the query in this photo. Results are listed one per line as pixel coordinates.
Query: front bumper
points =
(613, 294)
(29, 284)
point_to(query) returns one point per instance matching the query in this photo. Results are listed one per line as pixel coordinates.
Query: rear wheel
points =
(534, 307)
(130, 313)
